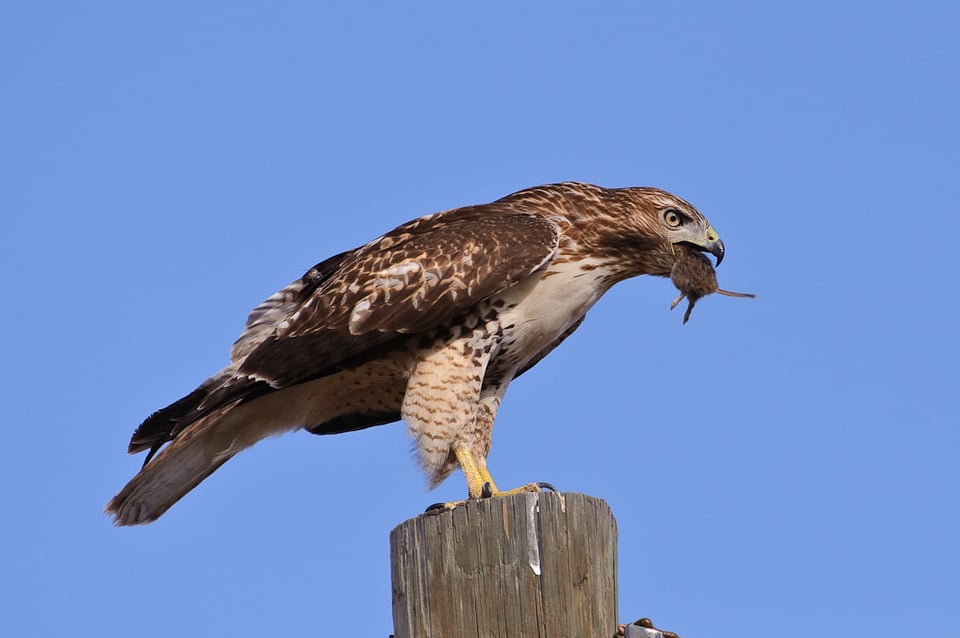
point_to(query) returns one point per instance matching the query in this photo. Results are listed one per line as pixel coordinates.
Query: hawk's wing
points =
(263, 319)
(415, 278)
(348, 308)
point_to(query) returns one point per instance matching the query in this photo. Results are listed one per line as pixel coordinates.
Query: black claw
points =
(487, 490)
(436, 507)
(547, 486)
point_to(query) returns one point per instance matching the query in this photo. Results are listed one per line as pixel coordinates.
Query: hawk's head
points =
(678, 221)
(638, 228)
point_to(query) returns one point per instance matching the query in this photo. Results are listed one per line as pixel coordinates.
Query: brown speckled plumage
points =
(429, 323)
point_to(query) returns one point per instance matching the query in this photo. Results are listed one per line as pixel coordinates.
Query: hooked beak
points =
(713, 245)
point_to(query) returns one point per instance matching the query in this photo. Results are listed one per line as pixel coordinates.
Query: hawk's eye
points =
(673, 218)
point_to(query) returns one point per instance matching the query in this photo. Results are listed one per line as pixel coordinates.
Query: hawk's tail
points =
(195, 453)
(180, 467)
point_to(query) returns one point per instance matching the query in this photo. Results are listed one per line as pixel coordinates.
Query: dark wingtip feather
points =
(158, 428)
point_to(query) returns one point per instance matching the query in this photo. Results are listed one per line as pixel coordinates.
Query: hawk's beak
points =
(712, 245)
(715, 247)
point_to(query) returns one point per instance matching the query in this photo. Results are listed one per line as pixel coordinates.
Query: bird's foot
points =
(529, 487)
(479, 482)
(489, 490)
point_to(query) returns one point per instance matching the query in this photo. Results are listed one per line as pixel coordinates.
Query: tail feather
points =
(203, 436)
(179, 468)
(195, 453)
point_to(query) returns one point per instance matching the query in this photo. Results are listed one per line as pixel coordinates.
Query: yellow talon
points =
(477, 475)
(479, 482)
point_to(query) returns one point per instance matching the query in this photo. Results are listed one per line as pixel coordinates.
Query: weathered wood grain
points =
(528, 565)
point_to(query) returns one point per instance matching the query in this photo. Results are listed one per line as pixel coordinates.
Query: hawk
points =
(428, 323)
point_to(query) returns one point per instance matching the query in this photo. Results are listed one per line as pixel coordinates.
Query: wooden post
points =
(527, 565)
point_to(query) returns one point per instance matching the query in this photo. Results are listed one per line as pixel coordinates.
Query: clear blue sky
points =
(778, 467)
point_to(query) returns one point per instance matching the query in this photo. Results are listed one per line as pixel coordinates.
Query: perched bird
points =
(694, 277)
(429, 323)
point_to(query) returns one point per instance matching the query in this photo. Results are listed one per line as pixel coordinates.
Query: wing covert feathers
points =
(415, 278)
